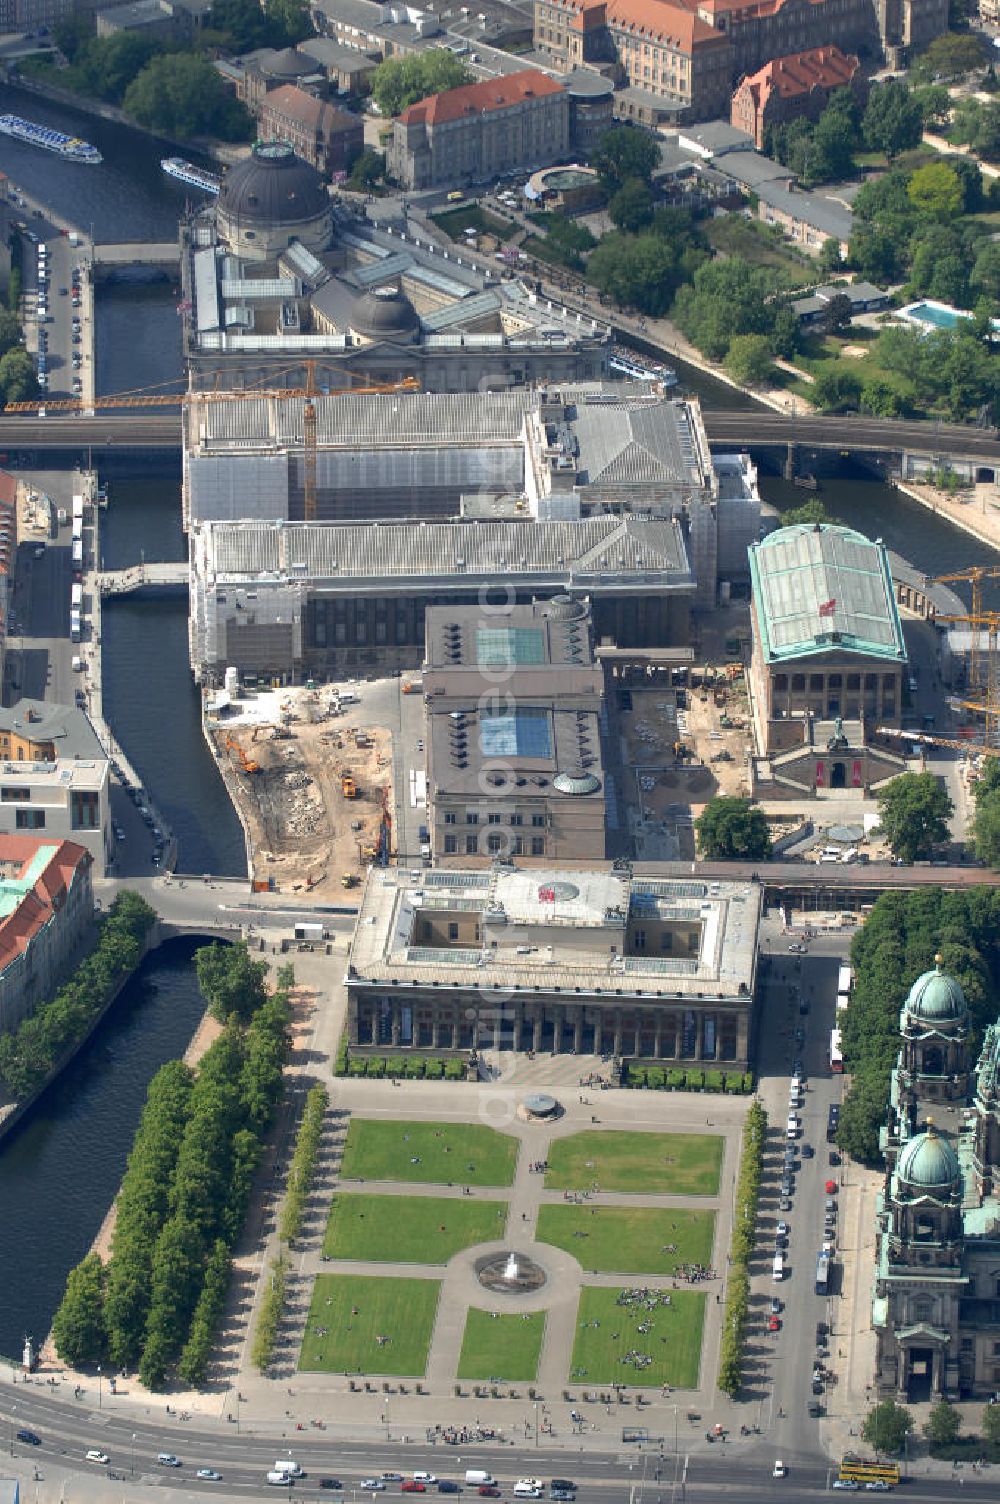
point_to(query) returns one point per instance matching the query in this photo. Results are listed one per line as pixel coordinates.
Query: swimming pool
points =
(933, 315)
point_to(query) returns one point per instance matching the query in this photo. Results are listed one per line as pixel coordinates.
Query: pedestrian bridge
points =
(137, 252)
(153, 576)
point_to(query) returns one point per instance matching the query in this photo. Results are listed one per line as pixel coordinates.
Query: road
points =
(160, 429)
(68, 1429)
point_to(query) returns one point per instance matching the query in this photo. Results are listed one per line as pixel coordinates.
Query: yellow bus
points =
(870, 1472)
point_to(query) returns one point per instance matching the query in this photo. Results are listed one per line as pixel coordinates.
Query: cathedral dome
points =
(928, 1161)
(936, 998)
(385, 313)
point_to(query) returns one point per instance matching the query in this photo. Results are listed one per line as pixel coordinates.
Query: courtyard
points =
(625, 1260)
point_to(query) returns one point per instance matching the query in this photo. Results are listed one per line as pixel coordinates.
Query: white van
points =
(778, 1267)
(278, 1480)
(526, 1491)
(288, 1467)
(348, 697)
(792, 1126)
(477, 1476)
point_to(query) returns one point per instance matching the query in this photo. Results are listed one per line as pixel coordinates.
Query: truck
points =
(822, 1274)
(348, 787)
(78, 554)
(74, 626)
(78, 508)
(76, 597)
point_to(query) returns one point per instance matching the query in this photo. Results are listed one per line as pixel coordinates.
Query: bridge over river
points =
(752, 429)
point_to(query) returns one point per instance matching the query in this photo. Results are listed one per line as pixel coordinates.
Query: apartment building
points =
(327, 138)
(46, 907)
(55, 777)
(792, 88)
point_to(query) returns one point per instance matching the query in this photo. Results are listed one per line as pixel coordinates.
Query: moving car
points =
(330, 1483)
(373, 1485)
(780, 1470)
(847, 1485)
(29, 1438)
(209, 1475)
(446, 1486)
(421, 1477)
(412, 1486)
(877, 1486)
(167, 1459)
(96, 1455)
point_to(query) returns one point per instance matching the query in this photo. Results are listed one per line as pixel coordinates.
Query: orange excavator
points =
(246, 763)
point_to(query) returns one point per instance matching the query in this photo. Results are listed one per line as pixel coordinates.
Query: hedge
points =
(733, 1341)
(409, 1067)
(303, 1166)
(272, 1308)
(657, 1078)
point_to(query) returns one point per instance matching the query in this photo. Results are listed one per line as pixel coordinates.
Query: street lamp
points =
(133, 1454)
(536, 1423)
(100, 1396)
(12, 1410)
(388, 1421)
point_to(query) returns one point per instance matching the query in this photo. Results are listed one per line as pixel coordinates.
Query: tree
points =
(886, 1427)
(72, 33)
(836, 390)
(934, 190)
(243, 23)
(625, 152)
(230, 981)
(986, 825)
(837, 314)
(831, 257)
(401, 81)
(914, 810)
(808, 514)
(637, 271)
(892, 120)
(985, 274)
(78, 1325)
(935, 103)
(885, 399)
(950, 57)
(990, 1423)
(290, 22)
(181, 93)
(631, 208)
(566, 239)
(942, 1424)
(367, 170)
(749, 359)
(730, 829)
(17, 375)
(862, 1116)
(727, 298)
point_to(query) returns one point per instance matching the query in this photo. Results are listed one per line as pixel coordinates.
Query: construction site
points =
(312, 787)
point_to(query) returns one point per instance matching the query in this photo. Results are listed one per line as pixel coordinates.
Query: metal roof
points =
(820, 588)
(595, 549)
(360, 420)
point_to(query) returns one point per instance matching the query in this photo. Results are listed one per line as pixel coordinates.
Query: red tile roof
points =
(306, 110)
(479, 99)
(672, 21)
(38, 906)
(824, 68)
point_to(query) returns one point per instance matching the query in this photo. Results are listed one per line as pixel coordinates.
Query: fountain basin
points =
(510, 1273)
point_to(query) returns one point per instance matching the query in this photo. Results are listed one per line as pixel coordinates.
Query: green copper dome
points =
(928, 1160)
(936, 997)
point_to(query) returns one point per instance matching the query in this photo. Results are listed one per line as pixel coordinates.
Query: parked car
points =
(779, 1470)
(96, 1455)
(847, 1485)
(774, 1323)
(209, 1475)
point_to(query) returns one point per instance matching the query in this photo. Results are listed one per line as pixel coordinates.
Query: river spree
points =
(61, 1168)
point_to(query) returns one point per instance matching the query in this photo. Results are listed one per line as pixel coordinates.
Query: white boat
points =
(187, 172)
(70, 147)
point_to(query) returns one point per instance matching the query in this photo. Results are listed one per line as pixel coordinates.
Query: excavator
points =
(246, 763)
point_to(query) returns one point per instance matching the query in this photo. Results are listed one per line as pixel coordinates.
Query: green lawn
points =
(350, 1312)
(455, 222)
(673, 1343)
(629, 1240)
(409, 1229)
(673, 1164)
(501, 1347)
(443, 1153)
(735, 235)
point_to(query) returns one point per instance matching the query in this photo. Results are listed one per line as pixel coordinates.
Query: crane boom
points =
(182, 399)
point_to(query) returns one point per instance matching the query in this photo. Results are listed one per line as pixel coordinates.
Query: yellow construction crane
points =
(974, 577)
(989, 684)
(180, 399)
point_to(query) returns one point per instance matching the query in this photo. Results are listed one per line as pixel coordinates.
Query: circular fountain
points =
(510, 1274)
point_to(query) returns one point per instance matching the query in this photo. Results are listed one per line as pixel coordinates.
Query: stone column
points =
(598, 1028)
(536, 1035)
(435, 1030)
(578, 1030)
(395, 1024)
(637, 1042)
(455, 1036)
(658, 1036)
(741, 1039)
(618, 1032)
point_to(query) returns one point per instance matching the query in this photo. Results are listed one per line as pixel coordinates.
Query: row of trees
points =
(272, 1308)
(158, 1301)
(986, 820)
(30, 1053)
(744, 1228)
(303, 1166)
(17, 373)
(171, 87)
(899, 941)
(887, 1425)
